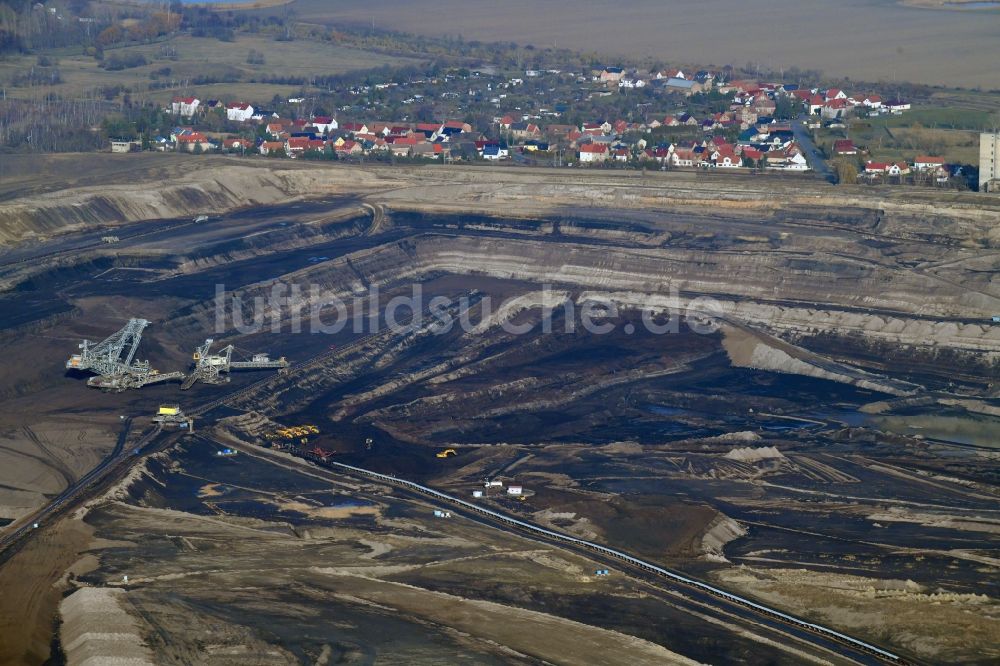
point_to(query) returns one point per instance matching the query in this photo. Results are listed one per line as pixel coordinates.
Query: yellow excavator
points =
(446, 453)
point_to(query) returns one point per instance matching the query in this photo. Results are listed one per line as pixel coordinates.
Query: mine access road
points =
(686, 592)
(817, 635)
(113, 467)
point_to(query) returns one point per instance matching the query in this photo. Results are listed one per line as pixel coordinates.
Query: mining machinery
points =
(215, 368)
(113, 361)
(171, 416)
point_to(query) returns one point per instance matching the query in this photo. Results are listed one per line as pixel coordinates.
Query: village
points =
(250, 83)
(725, 125)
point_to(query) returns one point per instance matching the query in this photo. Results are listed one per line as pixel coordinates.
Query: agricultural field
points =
(840, 38)
(905, 143)
(180, 62)
(951, 132)
(945, 114)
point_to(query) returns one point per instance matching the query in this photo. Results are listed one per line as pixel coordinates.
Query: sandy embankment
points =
(97, 629)
(178, 187)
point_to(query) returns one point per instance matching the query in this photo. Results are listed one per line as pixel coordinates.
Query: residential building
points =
(898, 106)
(844, 147)
(125, 146)
(193, 141)
(524, 130)
(324, 124)
(184, 106)
(239, 111)
(272, 148)
(593, 152)
(236, 144)
(495, 152)
(689, 88)
(612, 74)
(926, 163)
(297, 145)
(683, 157)
(989, 162)
(347, 147)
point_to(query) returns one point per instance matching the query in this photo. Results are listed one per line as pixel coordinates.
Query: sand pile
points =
(749, 454)
(97, 629)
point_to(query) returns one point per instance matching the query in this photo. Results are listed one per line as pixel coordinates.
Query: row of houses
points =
(834, 103)
(240, 112)
(673, 80)
(293, 138)
(923, 165)
(829, 103)
(715, 153)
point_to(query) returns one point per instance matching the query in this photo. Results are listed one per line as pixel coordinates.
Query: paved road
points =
(812, 154)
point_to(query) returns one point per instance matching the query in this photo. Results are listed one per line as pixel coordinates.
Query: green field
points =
(907, 136)
(944, 118)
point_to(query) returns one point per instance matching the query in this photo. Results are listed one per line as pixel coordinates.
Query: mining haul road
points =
(110, 469)
(695, 595)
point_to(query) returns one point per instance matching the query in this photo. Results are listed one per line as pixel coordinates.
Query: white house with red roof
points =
(659, 155)
(725, 157)
(835, 108)
(324, 124)
(239, 112)
(926, 163)
(844, 147)
(886, 168)
(872, 101)
(593, 152)
(184, 106)
(682, 157)
(277, 130)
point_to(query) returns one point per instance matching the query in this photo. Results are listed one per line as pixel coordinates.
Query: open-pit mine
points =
(775, 400)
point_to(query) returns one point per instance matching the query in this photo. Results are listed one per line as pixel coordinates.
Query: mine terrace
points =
(827, 447)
